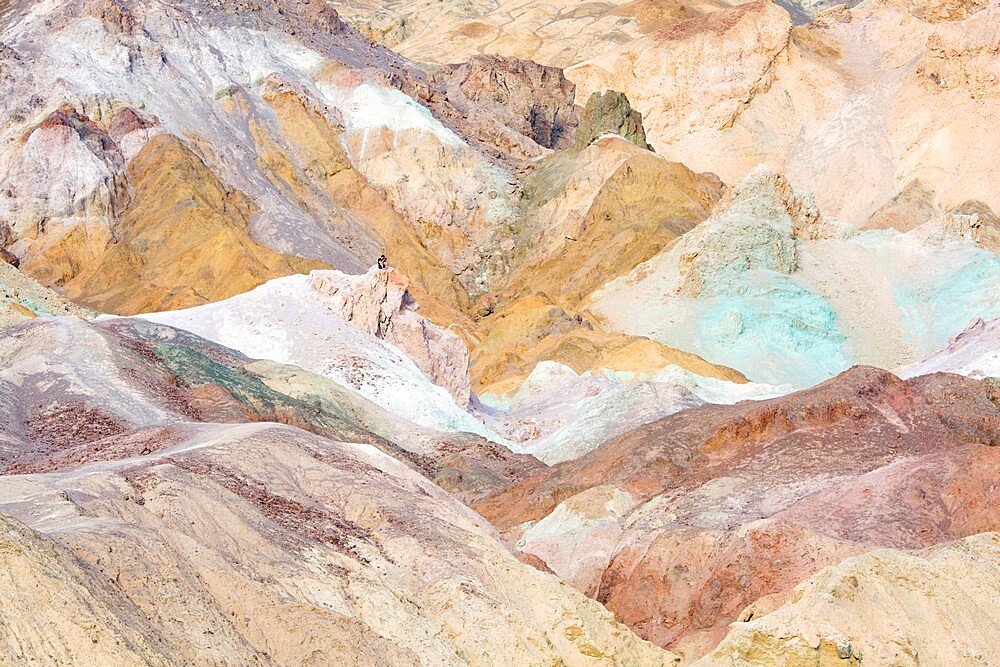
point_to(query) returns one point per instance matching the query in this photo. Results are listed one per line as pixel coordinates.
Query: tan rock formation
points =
(311, 154)
(610, 113)
(182, 240)
(600, 214)
(722, 88)
(537, 100)
(534, 329)
(558, 34)
(378, 303)
(912, 207)
(59, 610)
(934, 11)
(887, 607)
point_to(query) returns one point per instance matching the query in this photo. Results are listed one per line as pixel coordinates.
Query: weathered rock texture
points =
(534, 329)
(320, 149)
(535, 100)
(263, 543)
(379, 304)
(58, 610)
(723, 506)
(610, 113)
(887, 607)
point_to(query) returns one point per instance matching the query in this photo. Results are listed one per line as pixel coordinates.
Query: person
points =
(382, 262)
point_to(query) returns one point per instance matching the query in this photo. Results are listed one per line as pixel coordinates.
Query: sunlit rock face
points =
(722, 89)
(363, 332)
(772, 287)
(499, 333)
(155, 148)
(679, 525)
(839, 616)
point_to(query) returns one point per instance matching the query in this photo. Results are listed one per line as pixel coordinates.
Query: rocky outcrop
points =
(7, 238)
(755, 227)
(183, 239)
(531, 99)
(599, 212)
(974, 351)
(700, 72)
(911, 207)
(610, 113)
(887, 607)
(934, 11)
(300, 320)
(385, 26)
(979, 226)
(67, 167)
(22, 298)
(379, 304)
(959, 58)
(733, 504)
(114, 14)
(58, 607)
(975, 221)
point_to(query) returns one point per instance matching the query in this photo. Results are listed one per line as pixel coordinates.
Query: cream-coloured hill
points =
(364, 332)
(936, 606)
(56, 607)
(855, 106)
(263, 543)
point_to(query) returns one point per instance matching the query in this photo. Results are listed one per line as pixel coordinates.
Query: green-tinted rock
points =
(610, 113)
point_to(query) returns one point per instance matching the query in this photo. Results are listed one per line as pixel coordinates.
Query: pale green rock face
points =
(788, 333)
(771, 288)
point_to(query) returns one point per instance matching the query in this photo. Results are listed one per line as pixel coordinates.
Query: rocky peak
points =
(935, 11)
(379, 303)
(534, 100)
(127, 120)
(956, 57)
(755, 226)
(6, 238)
(765, 189)
(93, 135)
(610, 113)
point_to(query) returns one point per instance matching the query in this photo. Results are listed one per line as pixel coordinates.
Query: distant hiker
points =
(382, 262)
